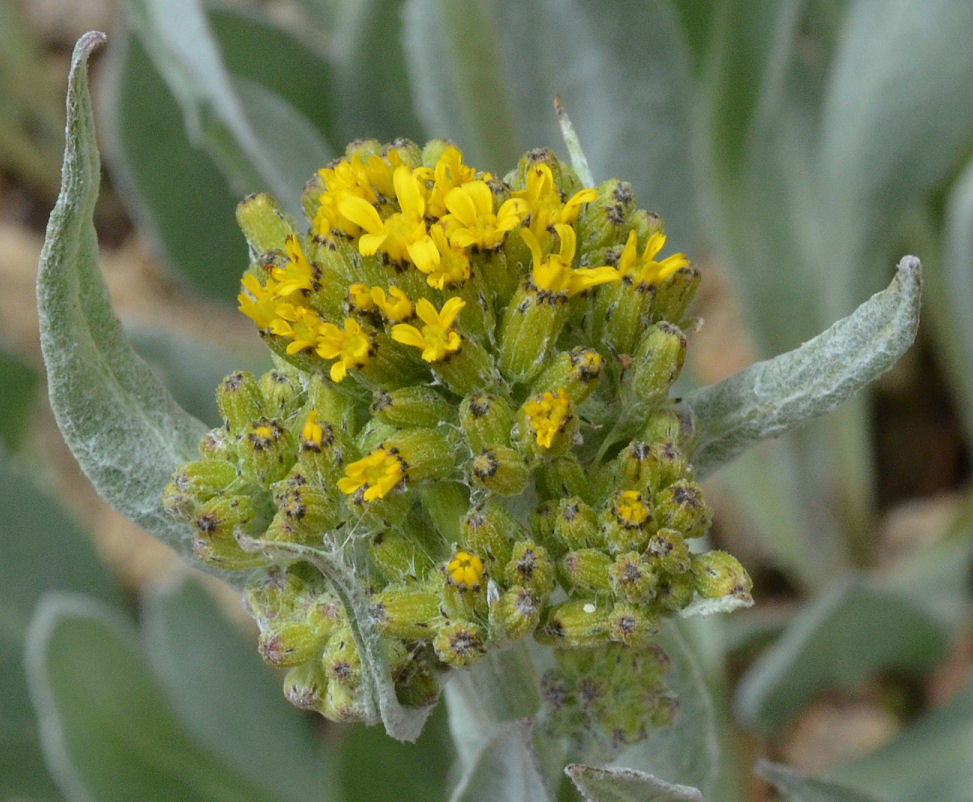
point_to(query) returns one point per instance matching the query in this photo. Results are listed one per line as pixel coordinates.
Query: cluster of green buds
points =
(470, 404)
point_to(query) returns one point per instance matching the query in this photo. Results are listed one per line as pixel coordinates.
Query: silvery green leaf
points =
(125, 430)
(627, 785)
(774, 396)
(799, 788)
(178, 38)
(849, 631)
(505, 768)
(380, 702)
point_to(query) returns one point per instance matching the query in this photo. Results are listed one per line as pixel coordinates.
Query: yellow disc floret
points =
(553, 275)
(351, 346)
(547, 414)
(630, 509)
(643, 271)
(465, 570)
(377, 472)
(436, 339)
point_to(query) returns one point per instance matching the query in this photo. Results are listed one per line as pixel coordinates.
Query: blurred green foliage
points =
(803, 145)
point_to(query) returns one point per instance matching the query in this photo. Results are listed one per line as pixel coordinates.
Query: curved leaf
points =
(505, 768)
(799, 788)
(627, 785)
(845, 634)
(123, 427)
(106, 725)
(772, 397)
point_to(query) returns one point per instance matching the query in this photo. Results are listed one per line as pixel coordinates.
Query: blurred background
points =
(796, 149)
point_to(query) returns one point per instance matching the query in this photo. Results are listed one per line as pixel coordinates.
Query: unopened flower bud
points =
(632, 625)
(673, 424)
(576, 624)
(605, 220)
(586, 569)
(717, 574)
(281, 391)
(216, 523)
(305, 512)
(563, 476)
(415, 405)
(239, 400)
(673, 295)
(528, 330)
(306, 685)
(490, 530)
(406, 612)
(667, 551)
(674, 591)
(576, 371)
(267, 451)
(398, 557)
(459, 643)
(657, 361)
(196, 482)
(631, 577)
(576, 524)
(486, 419)
(501, 470)
(341, 660)
(681, 506)
(531, 568)
(518, 612)
(264, 223)
(342, 703)
(290, 642)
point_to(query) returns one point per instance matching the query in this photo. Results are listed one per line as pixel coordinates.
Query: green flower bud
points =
(667, 551)
(658, 360)
(586, 569)
(282, 392)
(674, 591)
(672, 424)
(398, 557)
(576, 524)
(417, 405)
(341, 660)
(489, 530)
(518, 613)
(305, 686)
(626, 522)
(631, 578)
(407, 150)
(563, 476)
(290, 642)
(673, 295)
(446, 504)
(428, 454)
(459, 644)
(216, 523)
(576, 624)
(681, 506)
(717, 574)
(528, 330)
(267, 451)
(342, 703)
(632, 625)
(468, 369)
(239, 400)
(196, 482)
(486, 420)
(416, 685)
(406, 612)
(264, 224)
(501, 470)
(605, 221)
(304, 512)
(576, 371)
(531, 568)
(218, 444)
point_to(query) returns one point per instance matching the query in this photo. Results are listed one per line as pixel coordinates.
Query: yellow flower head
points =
(448, 265)
(396, 307)
(403, 236)
(360, 298)
(465, 570)
(449, 173)
(553, 274)
(437, 338)
(471, 221)
(351, 346)
(643, 271)
(630, 509)
(312, 435)
(546, 414)
(296, 274)
(544, 203)
(257, 302)
(378, 472)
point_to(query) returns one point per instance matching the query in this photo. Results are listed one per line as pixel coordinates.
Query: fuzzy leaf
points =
(505, 768)
(106, 724)
(627, 785)
(381, 703)
(798, 788)
(846, 633)
(774, 396)
(120, 422)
